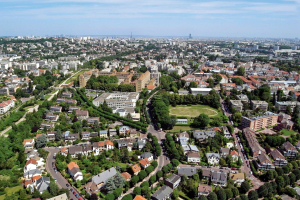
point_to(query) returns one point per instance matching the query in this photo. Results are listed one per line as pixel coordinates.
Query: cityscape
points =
(127, 100)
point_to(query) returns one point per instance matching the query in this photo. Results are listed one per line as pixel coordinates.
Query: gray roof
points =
(203, 134)
(193, 148)
(147, 155)
(188, 171)
(216, 155)
(103, 132)
(173, 178)
(164, 191)
(219, 176)
(42, 183)
(102, 177)
(32, 172)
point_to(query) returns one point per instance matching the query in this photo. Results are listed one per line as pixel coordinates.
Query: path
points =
(30, 110)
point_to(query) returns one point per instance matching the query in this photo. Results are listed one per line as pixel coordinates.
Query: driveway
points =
(60, 180)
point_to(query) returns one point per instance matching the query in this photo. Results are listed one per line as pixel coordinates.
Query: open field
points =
(193, 111)
(286, 132)
(181, 128)
(10, 191)
(75, 76)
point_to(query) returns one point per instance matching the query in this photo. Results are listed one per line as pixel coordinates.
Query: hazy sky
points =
(219, 18)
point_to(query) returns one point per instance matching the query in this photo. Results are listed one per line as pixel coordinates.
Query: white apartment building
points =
(118, 100)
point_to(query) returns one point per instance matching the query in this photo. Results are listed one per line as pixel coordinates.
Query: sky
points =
(201, 18)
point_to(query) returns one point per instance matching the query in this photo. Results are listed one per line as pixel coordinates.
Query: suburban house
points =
(101, 146)
(141, 144)
(99, 181)
(64, 151)
(32, 173)
(124, 130)
(188, 171)
(219, 178)
(85, 136)
(82, 114)
(55, 108)
(182, 137)
(60, 197)
(289, 150)
(234, 155)
(204, 190)
(253, 144)
(139, 197)
(46, 125)
(238, 178)
(163, 193)
(74, 171)
(51, 136)
(42, 184)
(112, 132)
(144, 163)
(224, 152)
(264, 162)
(70, 137)
(173, 181)
(126, 176)
(92, 120)
(66, 94)
(213, 158)
(6, 105)
(52, 118)
(193, 157)
(28, 143)
(279, 159)
(71, 108)
(202, 135)
(135, 169)
(147, 155)
(103, 133)
(75, 150)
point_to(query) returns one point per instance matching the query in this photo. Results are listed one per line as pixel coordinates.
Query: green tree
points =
(134, 180)
(202, 197)
(142, 174)
(280, 182)
(175, 162)
(262, 191)
(245, 186)
(137, 191)
(221, 194)
(159, 174)
(212, 196)
(41, 141)
(252, 195)
(235, 192)
(117, 192)
(119, 180)
(127, 197)
(109, 196)
(240, 71)
(152, 179)
(229, 193)
(175, 194)
(201, 121)
(110, 185)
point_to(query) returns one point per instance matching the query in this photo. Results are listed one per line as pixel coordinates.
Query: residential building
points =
(204, 190)
(85, 136)
(135, 169)
(124, 130)
(203, 91)
(147, 155)
(237, 105)
(279, 159)
(82, 114)
(71, 108)
(99, 181)
(60, 197)
(142, 80)
(262, 105)
(264, 162)
(92, 120)
(289, 150)
(173, 181)
(52, 118)
(224, 152)
(162, 193)
(55, 108)
(126, 176)
(28, 143)
(253, 144)
(234, 155)
(144, 163)
(188, 171)
(202, 135)
(238, 178)
(282, 105)
(42, 184)
(74, 171)
(193, 157)
(118, 99)
(213, 158)
(6, 106)
(260, 122)
(103, 133)
(219, 178)
(51, 136)
(46, 125)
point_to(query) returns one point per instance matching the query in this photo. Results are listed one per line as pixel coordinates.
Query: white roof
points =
(201, 89)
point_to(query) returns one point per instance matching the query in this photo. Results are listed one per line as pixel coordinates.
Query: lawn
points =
(75, 76)
(10, 191)
(193, 111)
(286, 132)
(180, 128)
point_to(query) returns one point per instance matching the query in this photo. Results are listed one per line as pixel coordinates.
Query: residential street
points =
(60, 180)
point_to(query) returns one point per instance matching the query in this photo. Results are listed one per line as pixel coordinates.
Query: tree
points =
(41, 141)
(22, 194)
(58, 135)
(235, 192)
(142, 174)
(127, 197)
(201, 121)
(159, 174)
(119, 180)
(110, 185)
(243, 197)
(202, 197)
(109, 196)
(229, 193)
(134, 180)
(221, 194)
(175, 194)
(193, 85)
(175, 162)
(53, 188)
(152, 179)
(154, 164)
(240, 71)
(245, 186)
(280, 181)
(212, 196)
(137, 191)
(262, 191)
(252, 195)
(292, 178)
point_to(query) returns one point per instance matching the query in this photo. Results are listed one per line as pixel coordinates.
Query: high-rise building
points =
(190, 36)
(82, 81)
(141, 82)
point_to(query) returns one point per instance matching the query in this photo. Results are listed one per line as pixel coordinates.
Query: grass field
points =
(193, 111)
(75, 76)
(286, 132)
(180, 128)
(10, 191)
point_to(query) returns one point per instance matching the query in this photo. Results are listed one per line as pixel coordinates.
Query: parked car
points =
(67, 185)
(76, 195)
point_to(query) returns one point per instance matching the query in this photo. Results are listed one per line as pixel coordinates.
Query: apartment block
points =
(259, 122)
(262, 105)
(237, 105)
(253, 144)
(141, 82)
(282, 105)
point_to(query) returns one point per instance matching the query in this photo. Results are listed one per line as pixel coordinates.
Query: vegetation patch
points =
(193, 111)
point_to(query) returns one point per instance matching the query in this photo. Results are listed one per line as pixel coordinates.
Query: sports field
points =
(193, 111)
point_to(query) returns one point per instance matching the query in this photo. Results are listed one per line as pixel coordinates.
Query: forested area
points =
(108, 83)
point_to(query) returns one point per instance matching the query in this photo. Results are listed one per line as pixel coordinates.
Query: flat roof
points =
(201, 89)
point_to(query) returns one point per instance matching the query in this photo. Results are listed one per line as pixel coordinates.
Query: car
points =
(67, 185)
(71, 189)
(79, 198)
(74, 192)
(76, 195)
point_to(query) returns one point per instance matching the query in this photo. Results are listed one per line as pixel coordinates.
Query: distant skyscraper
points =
(131, 36)
(190, 36)
(276, 48)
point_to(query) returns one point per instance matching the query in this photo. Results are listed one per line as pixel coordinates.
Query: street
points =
(60, 180)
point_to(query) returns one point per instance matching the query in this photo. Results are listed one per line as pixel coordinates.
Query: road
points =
(60, 180)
